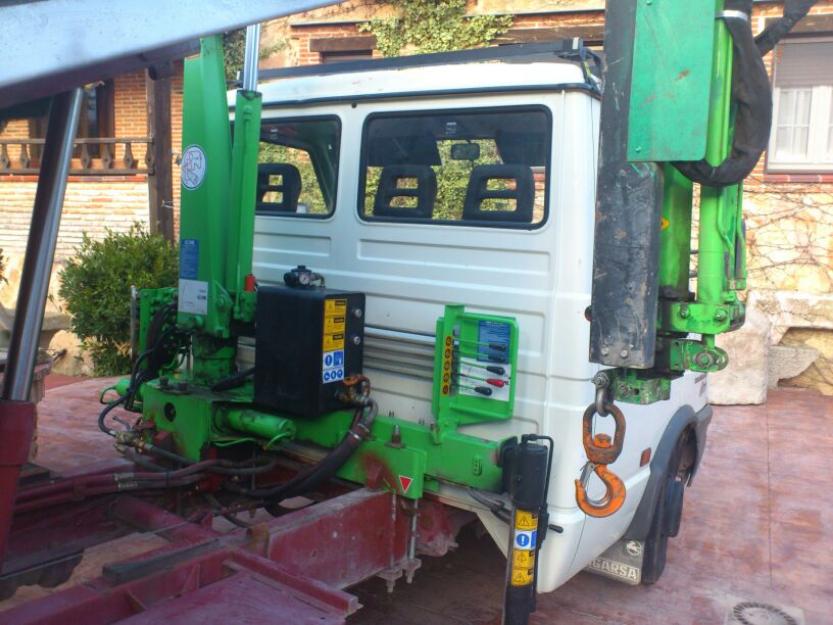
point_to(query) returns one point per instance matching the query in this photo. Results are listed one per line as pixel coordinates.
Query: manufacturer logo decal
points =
(192, 167)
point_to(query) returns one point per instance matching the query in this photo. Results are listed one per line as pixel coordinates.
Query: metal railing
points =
(95, 156)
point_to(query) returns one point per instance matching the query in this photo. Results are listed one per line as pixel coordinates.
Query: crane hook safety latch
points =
(601, 451)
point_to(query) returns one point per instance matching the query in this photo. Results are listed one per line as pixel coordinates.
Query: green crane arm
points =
(687, 100)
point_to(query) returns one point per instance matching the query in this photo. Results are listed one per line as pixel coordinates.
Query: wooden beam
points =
(343, 44)
(592, 34)
(160, 175)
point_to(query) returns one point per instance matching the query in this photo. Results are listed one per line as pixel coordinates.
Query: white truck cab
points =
(474, 183)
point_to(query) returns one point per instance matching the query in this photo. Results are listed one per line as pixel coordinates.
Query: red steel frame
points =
(291, 569)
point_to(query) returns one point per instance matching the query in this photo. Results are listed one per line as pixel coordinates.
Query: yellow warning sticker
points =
(664, 223)
(523, 568)
(526, 520)
(334, 307)
(333, 342)
(334, 324)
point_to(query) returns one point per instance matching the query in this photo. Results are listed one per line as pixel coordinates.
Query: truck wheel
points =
(667, 516)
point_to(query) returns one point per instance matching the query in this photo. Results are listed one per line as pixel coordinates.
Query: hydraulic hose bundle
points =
(366, 410)
(751, 93)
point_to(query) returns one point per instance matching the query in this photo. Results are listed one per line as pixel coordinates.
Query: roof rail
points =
(567, 49)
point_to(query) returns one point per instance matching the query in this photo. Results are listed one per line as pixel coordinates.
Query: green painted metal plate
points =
(672, 80)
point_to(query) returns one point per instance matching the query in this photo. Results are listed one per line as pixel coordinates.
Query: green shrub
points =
(95, 284)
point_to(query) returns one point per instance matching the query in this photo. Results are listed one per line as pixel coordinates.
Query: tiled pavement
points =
(757, 526)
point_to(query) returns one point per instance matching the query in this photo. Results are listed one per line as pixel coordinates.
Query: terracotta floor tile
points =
(757, 525)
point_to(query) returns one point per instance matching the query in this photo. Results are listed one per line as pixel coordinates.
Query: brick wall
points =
(90, 205)
(130, 116)
(93, 202)
(176, 139)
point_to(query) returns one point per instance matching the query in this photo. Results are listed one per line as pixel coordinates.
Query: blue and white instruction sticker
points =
(526, 539)
(332, 366)
(189, 259)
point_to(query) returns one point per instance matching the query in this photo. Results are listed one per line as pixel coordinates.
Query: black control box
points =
(307, 340)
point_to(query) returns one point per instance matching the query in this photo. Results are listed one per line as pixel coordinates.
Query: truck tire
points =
(668, 513)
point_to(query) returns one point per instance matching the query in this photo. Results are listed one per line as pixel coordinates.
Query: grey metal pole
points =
(40, 250)
(251, 57)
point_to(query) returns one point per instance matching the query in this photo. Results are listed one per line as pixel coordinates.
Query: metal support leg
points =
(17, 415)
(40, 250)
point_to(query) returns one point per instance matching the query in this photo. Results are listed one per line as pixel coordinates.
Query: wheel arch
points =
(685, 422)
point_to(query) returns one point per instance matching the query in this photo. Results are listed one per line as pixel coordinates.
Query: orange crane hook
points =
(614, 495)
(601, 451)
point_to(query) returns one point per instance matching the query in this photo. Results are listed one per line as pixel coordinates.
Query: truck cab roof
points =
(522, 67)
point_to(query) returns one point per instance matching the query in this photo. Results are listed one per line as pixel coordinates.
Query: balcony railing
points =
(98, 156)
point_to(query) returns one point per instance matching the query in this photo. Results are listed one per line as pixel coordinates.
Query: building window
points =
(802, 129)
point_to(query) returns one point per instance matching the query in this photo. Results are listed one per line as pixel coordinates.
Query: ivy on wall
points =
(424, 26)
(234, 50)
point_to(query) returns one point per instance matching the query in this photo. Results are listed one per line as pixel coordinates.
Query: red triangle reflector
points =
(405, 482)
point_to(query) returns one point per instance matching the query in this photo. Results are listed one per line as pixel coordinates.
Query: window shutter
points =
(804, 64)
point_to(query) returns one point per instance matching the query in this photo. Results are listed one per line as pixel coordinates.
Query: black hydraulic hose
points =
(751, 94)
(326, 468)
(233, 381)
(168, 455)
(222, 467)
(143, 462)
(156, 338)
(794, 12)
(752, 98)
(331, 463)
(227, 468)
(218, 507)
(102, 416)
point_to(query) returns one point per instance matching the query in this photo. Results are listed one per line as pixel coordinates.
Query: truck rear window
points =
(472, 167)
(298, 166)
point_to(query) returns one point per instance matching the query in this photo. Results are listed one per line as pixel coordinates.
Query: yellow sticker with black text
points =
(523, 568)
(526, 520)
(333, 342)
